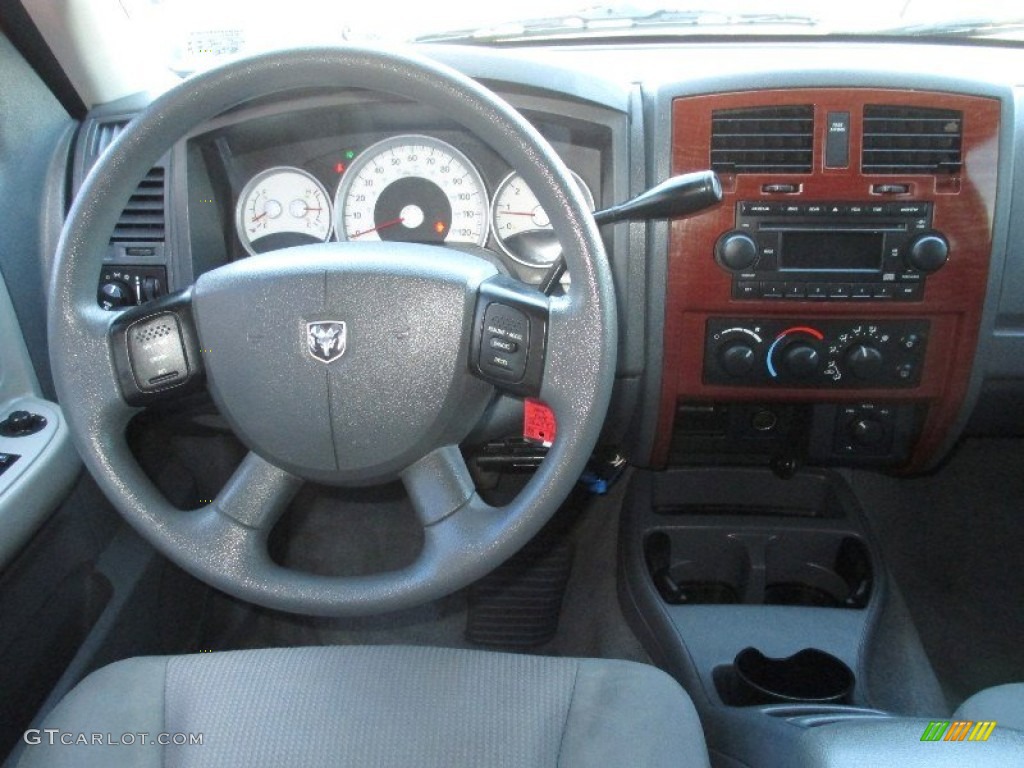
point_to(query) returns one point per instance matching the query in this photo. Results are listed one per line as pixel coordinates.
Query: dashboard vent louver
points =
(911, 140)
(143, 217)
(763, 140)
(103, 135)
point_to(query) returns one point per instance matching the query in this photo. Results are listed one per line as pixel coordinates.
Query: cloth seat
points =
(1003, 704)
(372, 706)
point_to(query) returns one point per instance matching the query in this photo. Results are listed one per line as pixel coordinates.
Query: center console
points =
(828, 310)
(767, 599)
(826, 314)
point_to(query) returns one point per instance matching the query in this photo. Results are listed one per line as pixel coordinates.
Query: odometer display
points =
(413, 189)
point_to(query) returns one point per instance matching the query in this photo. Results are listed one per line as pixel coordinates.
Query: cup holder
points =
(711, 565)
(809, 676)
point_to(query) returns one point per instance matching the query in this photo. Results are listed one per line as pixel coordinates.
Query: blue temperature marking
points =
(771, 350)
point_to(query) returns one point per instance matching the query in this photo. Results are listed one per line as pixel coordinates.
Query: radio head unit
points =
(831, 250)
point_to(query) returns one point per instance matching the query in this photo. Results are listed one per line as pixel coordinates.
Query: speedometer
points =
(282, 207)
(413, 189)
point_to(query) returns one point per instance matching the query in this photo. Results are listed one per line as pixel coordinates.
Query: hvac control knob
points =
(864, 361)
(867, 431)
(114, 294)
(736, 251)
(737, 358)
(928, 252)
(800, 360)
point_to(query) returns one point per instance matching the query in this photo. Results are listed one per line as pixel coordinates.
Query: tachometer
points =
(522, 227)
(414, 189)
(282, 207)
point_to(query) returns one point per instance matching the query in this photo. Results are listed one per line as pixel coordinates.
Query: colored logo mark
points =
(960, 730)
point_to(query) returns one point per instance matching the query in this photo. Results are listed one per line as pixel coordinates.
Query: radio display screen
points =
(831, 252)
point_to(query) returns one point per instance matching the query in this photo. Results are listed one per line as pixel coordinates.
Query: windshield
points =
(198, 33)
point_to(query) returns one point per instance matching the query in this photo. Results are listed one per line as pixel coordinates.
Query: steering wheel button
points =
(503, 344)
(157, 353)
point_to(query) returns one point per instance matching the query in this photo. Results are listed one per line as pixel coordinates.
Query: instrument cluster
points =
(407, 187)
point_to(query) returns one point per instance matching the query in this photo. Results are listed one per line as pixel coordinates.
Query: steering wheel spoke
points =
(257, 493)
(439, 484)
(155, 350)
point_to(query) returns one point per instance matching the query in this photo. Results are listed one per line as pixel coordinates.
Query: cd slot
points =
(825, 226)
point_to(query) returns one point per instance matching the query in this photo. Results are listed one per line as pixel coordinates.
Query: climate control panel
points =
(821, 354)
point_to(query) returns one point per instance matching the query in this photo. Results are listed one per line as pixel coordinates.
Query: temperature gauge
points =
(280, 208)
(522, 227)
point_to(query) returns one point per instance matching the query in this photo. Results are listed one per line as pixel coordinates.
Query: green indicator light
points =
(349, 155)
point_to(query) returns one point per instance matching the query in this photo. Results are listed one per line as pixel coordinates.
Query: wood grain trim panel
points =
(697, 288)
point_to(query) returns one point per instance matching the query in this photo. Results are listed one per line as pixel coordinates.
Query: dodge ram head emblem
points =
(325, 340)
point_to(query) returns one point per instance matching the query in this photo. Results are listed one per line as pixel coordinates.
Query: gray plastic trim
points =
(35, 484)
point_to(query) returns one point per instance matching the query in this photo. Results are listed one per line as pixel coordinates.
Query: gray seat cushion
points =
(1001, 703)
(374, 706)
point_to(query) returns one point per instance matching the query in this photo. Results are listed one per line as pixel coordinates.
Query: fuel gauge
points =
(280, 208)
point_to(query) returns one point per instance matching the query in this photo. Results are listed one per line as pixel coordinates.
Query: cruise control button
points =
(503, 344)
(507, 330)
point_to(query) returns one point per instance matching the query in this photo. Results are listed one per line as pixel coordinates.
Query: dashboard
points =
(852, 301)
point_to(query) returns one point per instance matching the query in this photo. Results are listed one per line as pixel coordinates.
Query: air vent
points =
(143, 216)
(911, 140)
(763, 140)
(102, 136)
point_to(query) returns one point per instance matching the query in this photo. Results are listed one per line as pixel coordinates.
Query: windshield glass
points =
(198, 33)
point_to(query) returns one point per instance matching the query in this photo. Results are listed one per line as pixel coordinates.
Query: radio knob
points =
(928, 253)
(736, 251)
(800, 360)
(737, 358)
(864, 361)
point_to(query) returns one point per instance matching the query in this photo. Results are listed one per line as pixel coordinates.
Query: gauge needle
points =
(517, 213)
(257, 218)
(385, 225)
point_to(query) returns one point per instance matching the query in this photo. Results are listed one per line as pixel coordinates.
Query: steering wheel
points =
(342, 363)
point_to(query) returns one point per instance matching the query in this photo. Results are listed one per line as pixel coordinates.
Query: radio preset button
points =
(746, 289)
(909, 291)
(817, 291)
(839, 291)
(908, 209)
(884, 291)
(795, 290)
(772, 290)
(861, 292)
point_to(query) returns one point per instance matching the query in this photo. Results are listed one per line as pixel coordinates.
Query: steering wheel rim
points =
(224, 542)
